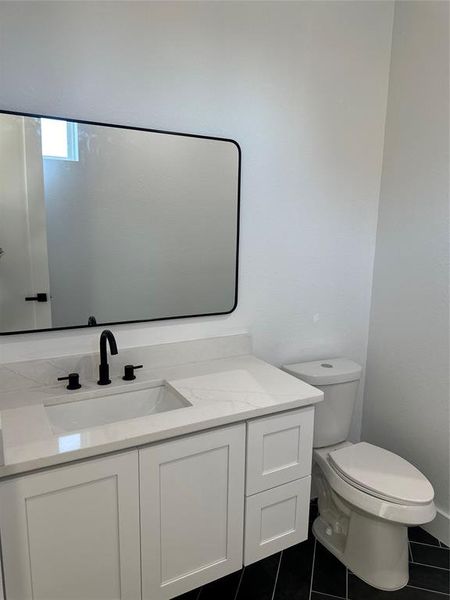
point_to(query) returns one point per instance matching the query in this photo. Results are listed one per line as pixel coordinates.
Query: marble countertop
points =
(220, 391)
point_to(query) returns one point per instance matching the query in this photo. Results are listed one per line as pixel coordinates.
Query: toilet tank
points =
(338, 379)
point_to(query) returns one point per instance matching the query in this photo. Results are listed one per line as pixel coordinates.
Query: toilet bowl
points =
(367, 496)
(367, 499)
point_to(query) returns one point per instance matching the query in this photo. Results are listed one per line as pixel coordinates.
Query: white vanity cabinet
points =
(192, 511)
(154, 522)
(73, 532)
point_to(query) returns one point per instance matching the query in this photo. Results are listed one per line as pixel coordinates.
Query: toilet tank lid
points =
(326, 371)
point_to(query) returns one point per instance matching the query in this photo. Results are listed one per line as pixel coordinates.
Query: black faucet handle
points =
(128, 372)
(73, 379)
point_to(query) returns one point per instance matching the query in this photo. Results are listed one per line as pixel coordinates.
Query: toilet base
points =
(376, 552)
(374, 549)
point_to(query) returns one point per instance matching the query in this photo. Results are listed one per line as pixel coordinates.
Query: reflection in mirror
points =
(104, 224)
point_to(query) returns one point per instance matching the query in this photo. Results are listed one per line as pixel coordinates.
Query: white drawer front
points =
(279, 449)
(276, 519)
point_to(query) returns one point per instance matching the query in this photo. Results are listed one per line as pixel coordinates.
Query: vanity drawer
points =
(276, 519)
(279, 449)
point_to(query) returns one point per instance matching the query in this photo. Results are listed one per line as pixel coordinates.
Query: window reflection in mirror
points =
(59, 139)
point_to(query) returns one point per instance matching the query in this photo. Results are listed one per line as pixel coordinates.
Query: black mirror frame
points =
(175, 133)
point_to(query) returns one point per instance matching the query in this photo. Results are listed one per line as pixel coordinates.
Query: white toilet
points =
(367, 496)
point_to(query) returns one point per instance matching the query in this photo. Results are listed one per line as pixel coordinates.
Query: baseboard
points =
(439, 527)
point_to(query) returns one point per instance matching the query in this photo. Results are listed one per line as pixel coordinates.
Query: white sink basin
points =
(101, 410)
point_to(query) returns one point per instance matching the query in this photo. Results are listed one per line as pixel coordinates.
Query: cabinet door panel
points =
(73, 532)
(192, 497)
(276, 519)
(279, 449)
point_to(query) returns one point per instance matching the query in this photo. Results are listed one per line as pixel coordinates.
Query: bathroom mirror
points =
(103, 224)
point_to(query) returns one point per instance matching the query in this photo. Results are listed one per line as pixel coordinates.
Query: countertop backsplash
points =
(21, 382)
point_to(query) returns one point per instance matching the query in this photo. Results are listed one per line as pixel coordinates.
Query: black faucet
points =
(103, 369)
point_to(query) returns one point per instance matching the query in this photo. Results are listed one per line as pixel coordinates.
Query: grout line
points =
(312, 569)
(328, 595)
(199, 592)
(276, 576)
(431, 566)
(410, 552)
(429, 545)
(425, 590)
(346, 583)
(239, 583)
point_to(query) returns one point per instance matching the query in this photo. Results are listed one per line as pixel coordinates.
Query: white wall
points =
(406, 407)
(302, 86)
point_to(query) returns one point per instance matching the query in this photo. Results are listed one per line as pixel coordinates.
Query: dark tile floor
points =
(309, 572)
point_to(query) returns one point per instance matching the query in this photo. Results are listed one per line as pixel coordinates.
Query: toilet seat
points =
(365, 500)
(382, 474)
